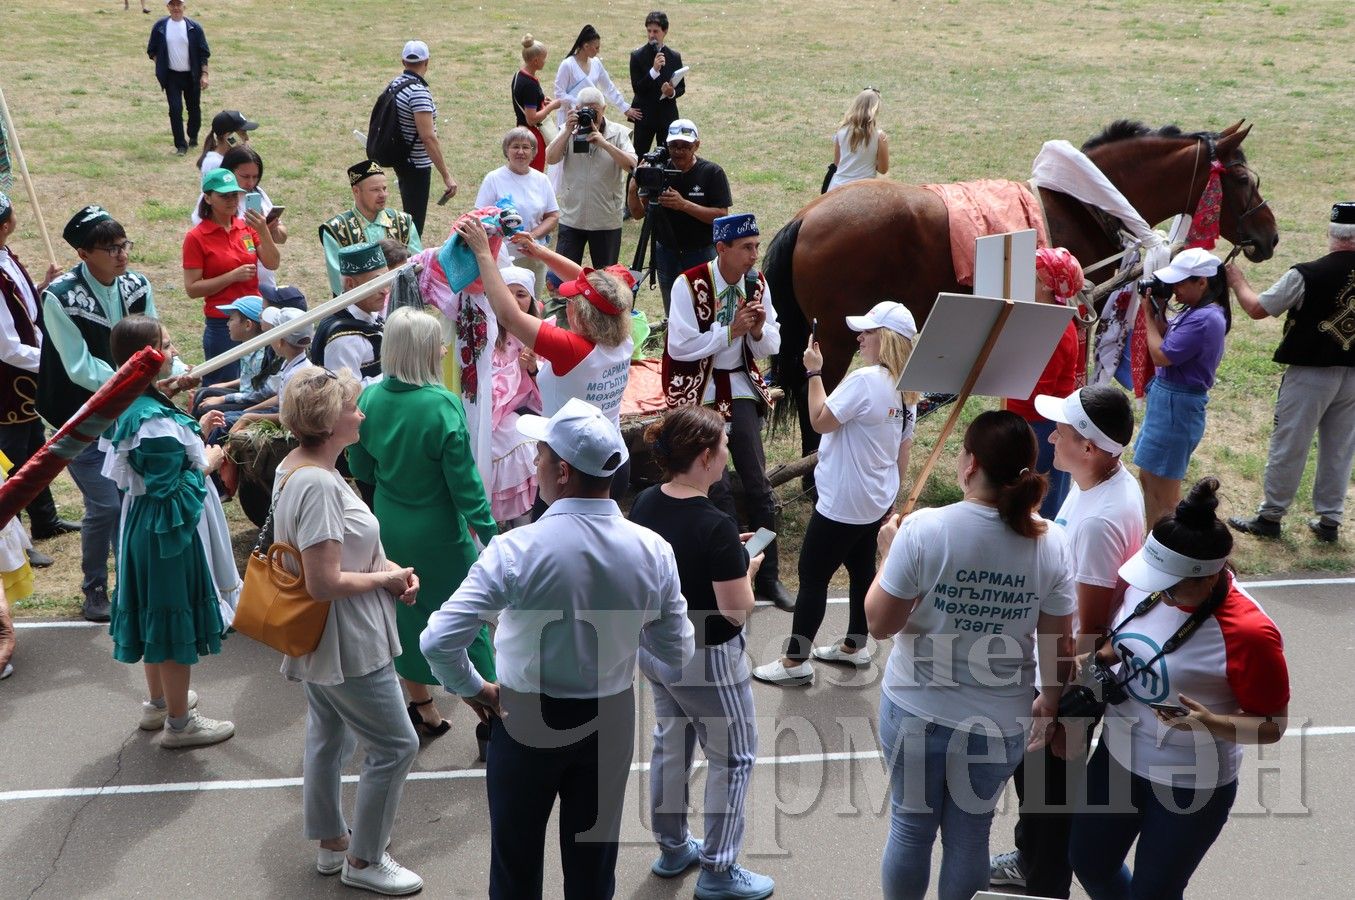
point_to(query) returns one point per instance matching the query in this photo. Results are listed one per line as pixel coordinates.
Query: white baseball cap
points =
(580, 435)
(415, 51)
(1156, 567)
(1196, 262)
(683, 130)
(886, 314)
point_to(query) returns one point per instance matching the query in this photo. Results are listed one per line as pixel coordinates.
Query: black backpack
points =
(386, 144)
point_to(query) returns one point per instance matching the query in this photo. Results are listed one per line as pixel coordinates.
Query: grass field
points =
(971, 88)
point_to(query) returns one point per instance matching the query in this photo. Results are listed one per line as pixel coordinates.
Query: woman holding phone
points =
(245, 162)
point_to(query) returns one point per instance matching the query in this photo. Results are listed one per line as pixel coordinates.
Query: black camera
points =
(1156, 288)
(588, 119)
(654, 174)
(1096, 687)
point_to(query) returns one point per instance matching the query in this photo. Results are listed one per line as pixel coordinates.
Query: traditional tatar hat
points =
(1343, 213)
(5, 207)
(728, 229)
(360, 259)
(365, 169)
(82, 223)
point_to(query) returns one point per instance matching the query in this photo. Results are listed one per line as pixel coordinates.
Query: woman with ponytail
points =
(1202, 672)
(964, 590)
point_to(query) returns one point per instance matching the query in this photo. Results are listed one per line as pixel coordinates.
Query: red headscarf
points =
(1059, 271)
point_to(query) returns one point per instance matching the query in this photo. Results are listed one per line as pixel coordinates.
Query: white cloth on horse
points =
(1062, 167)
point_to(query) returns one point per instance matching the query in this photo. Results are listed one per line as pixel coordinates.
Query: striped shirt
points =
(415, 98)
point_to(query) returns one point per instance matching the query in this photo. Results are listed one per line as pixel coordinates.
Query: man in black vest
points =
(652, 65)
(1317, 392)
(351, 338)
(79, 310)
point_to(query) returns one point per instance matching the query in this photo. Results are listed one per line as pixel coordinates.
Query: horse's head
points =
(1246, 219)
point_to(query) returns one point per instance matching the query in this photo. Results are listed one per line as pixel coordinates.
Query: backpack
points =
(386, 143)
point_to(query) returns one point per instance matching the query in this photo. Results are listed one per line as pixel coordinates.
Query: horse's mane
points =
(1129, 129)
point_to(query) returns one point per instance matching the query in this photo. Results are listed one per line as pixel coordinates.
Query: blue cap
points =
(728, 229)
(250, 307)
(283, 295)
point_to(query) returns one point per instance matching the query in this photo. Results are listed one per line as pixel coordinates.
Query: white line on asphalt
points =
(257, 784)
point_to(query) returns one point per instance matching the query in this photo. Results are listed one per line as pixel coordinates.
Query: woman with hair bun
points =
(715, 690)
(964, 591)
(530, 105)
(1202, 672)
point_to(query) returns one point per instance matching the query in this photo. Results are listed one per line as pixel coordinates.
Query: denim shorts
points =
(1172, 427)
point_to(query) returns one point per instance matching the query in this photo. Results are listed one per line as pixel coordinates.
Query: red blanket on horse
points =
(987, 206)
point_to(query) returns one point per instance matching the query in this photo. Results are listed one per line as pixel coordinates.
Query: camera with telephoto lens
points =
(655, 173)
(1096, 687)
(587, 118)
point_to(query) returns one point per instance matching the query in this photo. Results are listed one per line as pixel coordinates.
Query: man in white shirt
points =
(575, 594)
(721, 321)
(179, 47)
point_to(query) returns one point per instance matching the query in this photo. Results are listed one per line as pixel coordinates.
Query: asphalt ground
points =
(92, 807)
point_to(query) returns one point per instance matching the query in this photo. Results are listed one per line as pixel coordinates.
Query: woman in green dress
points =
(415, 448)
(177, 580)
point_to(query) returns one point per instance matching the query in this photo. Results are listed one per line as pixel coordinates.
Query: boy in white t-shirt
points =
(1103, 518)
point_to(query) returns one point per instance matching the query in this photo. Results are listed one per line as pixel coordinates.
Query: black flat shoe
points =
(422, 727)
(482, 740)
(56, 529)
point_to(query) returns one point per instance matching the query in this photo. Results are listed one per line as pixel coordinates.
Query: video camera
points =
(654, 174)
(587, 118)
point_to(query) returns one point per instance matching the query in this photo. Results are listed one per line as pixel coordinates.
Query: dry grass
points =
(971, 88)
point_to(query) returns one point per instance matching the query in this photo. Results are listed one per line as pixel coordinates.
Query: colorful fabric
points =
(6, 170)
(1059, 271)
(514, 479)
(1204, 226)
(458, 263)
(988, 206)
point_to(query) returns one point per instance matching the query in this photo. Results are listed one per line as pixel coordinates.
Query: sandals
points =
(422, 727)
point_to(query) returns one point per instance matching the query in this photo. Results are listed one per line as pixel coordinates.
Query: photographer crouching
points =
(686, 194)
(595, 154)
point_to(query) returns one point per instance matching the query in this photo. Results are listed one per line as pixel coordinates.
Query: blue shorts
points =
(1172, 427)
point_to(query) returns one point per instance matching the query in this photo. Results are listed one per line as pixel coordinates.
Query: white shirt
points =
(570, 78)
(210, 160)
(854, 165)
(858, 470)
(1105, 527)
(12, 350)
(176, 42)
(686, 342)
(288, 372)
(352, 350)
(600, 379)
(575, 594)
(532, 194)
(966, 658)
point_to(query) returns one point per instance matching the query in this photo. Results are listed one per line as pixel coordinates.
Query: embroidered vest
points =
(1321, 330)
(684, 382)
(59, 398)
(345, 324)
(347, 228)
(18, 387)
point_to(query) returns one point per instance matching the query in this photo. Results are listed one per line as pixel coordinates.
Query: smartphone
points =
(1170, 709)
(759, 541)
(446, 195)
(276, 213)
(254, 201)
(813, 330)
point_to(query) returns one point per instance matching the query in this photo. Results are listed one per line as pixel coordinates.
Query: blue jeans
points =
(103, 507)
(946, 779)
(216, 339)
(1044, 464)
(669, 264)
(1171, 842)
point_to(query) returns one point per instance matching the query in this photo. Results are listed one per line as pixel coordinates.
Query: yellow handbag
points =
(274, 608)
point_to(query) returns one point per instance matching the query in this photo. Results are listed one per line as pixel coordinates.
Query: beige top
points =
(592, 191)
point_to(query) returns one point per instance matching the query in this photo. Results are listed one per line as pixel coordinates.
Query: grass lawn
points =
(971, 89)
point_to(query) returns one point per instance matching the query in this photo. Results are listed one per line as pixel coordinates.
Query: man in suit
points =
(651, 77)
(179, 47)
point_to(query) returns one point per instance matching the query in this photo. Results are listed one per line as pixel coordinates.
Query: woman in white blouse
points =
(582, 68)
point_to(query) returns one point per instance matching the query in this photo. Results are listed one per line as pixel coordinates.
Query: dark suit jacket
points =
(198, 52)
(647, 94)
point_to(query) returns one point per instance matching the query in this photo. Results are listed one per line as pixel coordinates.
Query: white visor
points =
(1155, 567)
(1069, 411)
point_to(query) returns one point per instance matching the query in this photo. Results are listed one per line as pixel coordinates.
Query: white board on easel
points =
(1004, 265)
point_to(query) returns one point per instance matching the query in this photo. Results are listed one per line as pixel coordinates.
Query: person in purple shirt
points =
(1186, 350)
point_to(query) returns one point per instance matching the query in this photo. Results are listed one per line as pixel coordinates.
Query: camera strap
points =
(1188, 628)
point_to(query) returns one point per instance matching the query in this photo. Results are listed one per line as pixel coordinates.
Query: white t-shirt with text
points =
(858, 472)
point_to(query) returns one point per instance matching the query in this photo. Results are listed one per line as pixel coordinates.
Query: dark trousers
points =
(1171, 842)
(827, 546)
(1045, 818)
(414, 186)
(182, 89)
(604, 247)
(745, 451)
(669, 264)
(216, 339)
(653, 126)
(578, 750)
(19, 443)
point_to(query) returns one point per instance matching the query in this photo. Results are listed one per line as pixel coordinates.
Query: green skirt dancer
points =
(414, 447)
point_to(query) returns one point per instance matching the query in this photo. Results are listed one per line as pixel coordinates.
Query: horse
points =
(879, 240)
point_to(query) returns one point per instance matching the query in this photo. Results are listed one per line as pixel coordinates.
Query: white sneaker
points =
(386, 877)
(330, 862)
(775, 673)
(199, 732)
(835, 654)
(153, 717)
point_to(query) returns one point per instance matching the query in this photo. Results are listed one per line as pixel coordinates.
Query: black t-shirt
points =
(704, 184)
(526, 92)
(706, 544)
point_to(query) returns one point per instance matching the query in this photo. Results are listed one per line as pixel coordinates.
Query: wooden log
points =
(779, 475)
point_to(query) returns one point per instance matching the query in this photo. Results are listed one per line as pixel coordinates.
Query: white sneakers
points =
(153, 717)
(199, 732)
(835, 654)
(776, 673)
(385, 877)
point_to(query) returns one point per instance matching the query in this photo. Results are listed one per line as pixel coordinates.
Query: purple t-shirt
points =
(1194, 344)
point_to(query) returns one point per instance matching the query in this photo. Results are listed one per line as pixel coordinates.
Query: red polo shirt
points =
(216, 251)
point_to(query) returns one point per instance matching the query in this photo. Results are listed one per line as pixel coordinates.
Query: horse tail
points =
(788, 370)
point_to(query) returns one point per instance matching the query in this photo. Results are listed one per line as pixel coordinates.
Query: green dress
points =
(177, 581)
(414, 447)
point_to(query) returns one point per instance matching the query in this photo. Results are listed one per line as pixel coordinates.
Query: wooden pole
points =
(949, 426)
(28, 181)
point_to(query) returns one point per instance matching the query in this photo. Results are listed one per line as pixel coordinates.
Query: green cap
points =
(360, 259)
(220, 181)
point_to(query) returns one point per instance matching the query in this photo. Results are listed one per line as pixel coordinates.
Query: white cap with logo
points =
(580, 435)
(886, 314)
(683, 130)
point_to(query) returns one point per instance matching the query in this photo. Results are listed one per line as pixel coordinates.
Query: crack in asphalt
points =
(61, 849)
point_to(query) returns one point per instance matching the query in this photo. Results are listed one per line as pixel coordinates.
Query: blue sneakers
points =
(734, 883)
(672, 863)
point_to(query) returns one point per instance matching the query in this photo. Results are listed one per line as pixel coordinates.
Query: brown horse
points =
(880, 240)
